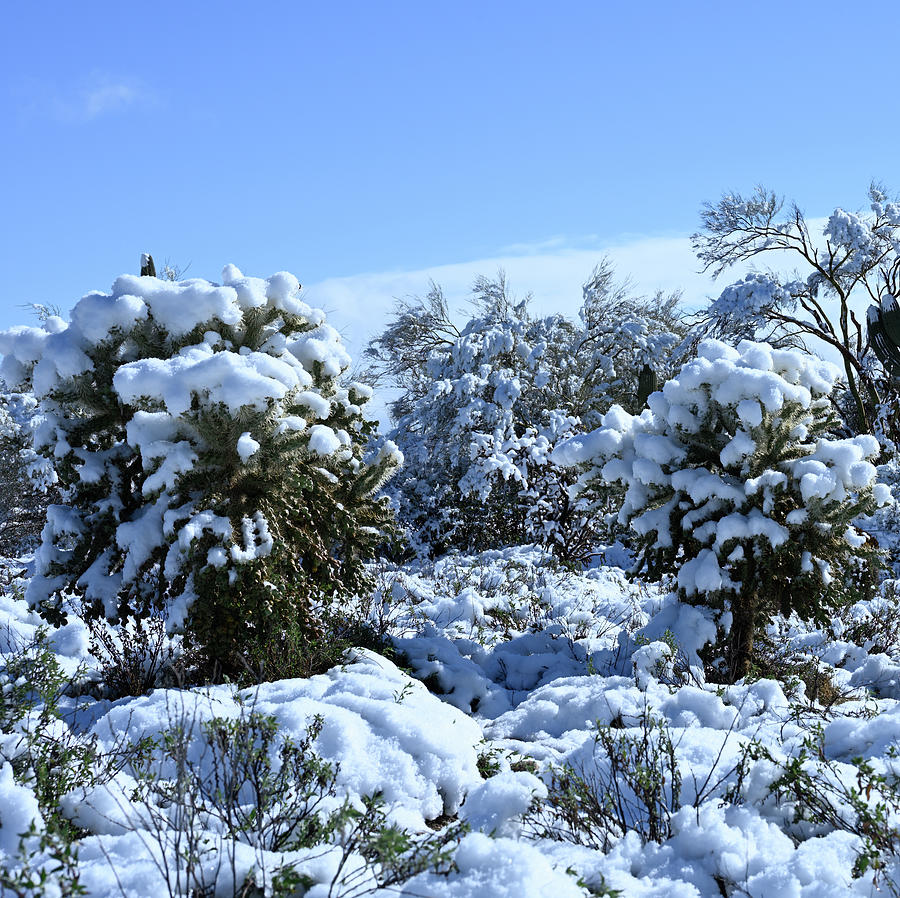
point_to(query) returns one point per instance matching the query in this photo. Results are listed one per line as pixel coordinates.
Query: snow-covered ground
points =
(562, 716)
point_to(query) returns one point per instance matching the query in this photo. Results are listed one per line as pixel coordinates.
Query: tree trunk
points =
(743, 631)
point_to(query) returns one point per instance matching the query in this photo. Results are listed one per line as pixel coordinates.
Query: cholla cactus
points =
(648, 383)
(883, 325)
(732, 482)
(212, 457)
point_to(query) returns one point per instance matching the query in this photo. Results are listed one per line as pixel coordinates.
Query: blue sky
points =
(366, 146)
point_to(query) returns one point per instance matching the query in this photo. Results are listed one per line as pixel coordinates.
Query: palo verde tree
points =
(856, 256)
(733, 482)
(210, 455)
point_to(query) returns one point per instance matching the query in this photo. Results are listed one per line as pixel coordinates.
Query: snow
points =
(498, 867)
(246, 446)
(502, 669)
(19, 811)
(524, 664)
(232, 379)
(323, 440)
(189, 355)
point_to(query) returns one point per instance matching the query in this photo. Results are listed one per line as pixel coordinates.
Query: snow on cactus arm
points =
(322, 347)
(235, 380)
(97, 315)
(732, 480)
(178, 307)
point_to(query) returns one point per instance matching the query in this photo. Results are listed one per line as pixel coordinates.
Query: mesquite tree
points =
(483, 404)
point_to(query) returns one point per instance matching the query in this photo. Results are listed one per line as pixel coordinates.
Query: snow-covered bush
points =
(732, 482)
(635, 787)
(210, 455)
(27, 479)
(478, 424)
(482, 408)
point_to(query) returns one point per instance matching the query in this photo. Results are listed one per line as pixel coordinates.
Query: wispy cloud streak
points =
(94, 97)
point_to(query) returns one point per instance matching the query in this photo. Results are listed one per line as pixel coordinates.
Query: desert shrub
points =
(47, 760)
(211, 456)
(817, 795)
(206, 786)
(47, 756)
(44, 864)
(303, 652)
(733, 482)
(632, 785)
(774, 659)
(875, 625)
(136, 656)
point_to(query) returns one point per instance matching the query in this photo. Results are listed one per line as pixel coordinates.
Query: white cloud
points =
(93, 97)
(359, 305)
(108, 96)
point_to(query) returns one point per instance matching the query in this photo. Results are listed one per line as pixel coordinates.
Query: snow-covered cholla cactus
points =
(732, 482)
(211, 456)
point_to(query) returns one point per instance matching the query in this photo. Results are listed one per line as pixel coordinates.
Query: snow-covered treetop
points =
(746, 306)
(58, 350)
(857, 254)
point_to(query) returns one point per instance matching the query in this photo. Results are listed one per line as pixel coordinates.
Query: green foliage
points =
(324, 523)
(874, 626)
(49, 760)
(57, 872)
(634, 785)
(778, 579)
(253, 785)
(820, 797)
(259, 787)
(394, 854)
(295, 649)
